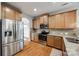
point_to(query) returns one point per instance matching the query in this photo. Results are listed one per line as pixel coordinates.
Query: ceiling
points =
(43, 7)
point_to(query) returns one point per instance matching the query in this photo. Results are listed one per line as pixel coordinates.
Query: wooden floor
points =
(35, 49)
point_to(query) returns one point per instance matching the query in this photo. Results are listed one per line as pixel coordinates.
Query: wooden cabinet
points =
(34, 24)
(57, 25)
(50, 40)
(18, 16)
(32, 36)
(45, 19)
(55, 41)
(40, 20)
(9, 13)
(62, 21)
(59, 21)
(70, 19)
(65, 20)
(52, 22)
(58, 42)
(35, 37)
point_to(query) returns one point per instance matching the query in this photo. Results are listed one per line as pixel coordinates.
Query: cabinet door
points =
(32, 23)
(50, 40)
(18, 16)
(59, 21)
(2, 11)
(57, 25)
(35, 23)
(41, 20)
(36, 37)
(32, 36)
(45, 17)
(9, 13)
(38, 23)
(58, 42)
(52, 21)
(62, 22)
(70, 19)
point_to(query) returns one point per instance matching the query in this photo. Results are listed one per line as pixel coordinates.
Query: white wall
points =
(27, 27)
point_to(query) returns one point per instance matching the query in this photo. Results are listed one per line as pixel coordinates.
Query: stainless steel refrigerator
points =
(12, 37)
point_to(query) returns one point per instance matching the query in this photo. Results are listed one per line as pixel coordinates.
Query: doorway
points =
(26, 29)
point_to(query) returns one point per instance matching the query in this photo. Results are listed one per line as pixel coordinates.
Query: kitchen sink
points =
(73, 40)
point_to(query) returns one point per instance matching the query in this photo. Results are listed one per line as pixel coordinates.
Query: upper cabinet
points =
(10, 12)
(51, 21)
(34, 23)
(59, 22)
(70, 19)
(40, 20)
(65, 20)
(45, 19)
(18, 16)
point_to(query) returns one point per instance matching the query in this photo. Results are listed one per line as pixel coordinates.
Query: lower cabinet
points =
(50, 40)
(35, 37)
(56, 42)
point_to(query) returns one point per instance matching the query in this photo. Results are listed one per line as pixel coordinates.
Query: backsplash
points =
(72, 32)
(65, 32)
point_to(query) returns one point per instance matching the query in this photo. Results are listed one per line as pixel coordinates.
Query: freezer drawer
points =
(12, 49)
(17, 47)
(6, 50)
(21, 45)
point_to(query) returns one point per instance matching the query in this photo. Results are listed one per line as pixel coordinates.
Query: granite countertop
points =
(71, 48)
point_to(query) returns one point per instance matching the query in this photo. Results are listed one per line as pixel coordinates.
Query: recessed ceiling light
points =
(34, 9)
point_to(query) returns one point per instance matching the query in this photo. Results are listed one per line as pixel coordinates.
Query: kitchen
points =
(54, 28)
